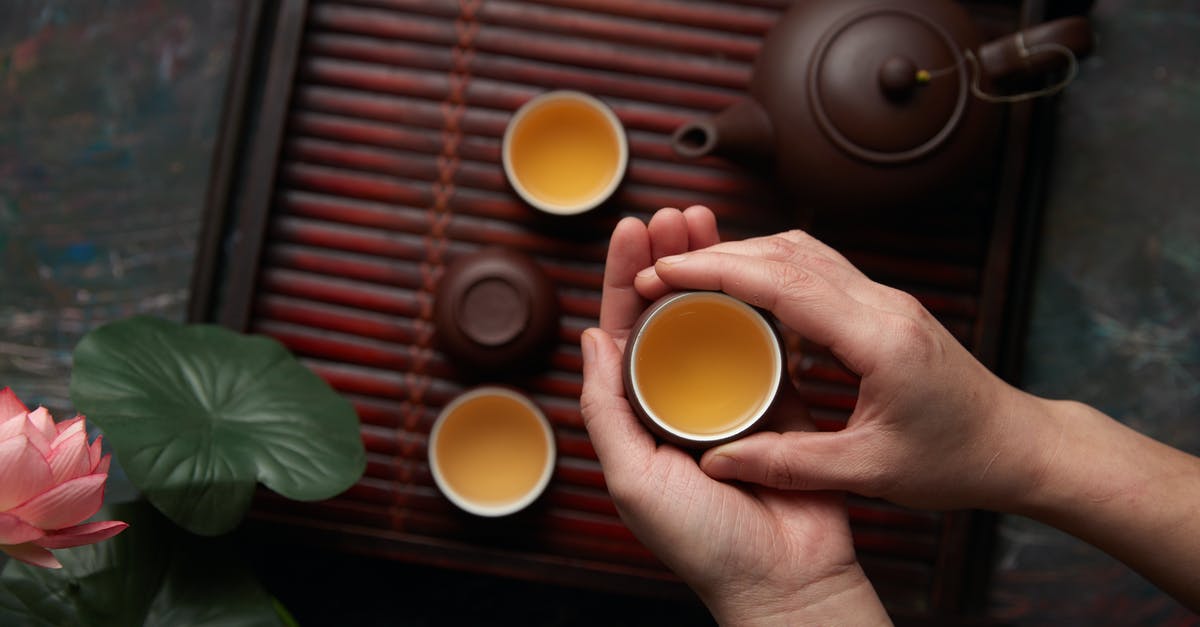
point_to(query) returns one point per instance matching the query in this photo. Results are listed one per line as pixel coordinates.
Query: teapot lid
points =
(888, 85)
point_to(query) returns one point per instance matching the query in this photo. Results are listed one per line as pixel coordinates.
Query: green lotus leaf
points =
(107, 583)
(152, 574)
(197, 414)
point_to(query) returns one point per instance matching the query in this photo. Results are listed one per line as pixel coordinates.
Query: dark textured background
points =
(108, 117)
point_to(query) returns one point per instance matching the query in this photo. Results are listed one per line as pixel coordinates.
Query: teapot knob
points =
(898, 76)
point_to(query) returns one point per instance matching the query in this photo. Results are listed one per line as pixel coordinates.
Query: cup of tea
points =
(564, 152)
(491, 451)
(703, 368)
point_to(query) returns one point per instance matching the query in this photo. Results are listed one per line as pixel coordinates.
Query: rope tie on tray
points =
(440, 211)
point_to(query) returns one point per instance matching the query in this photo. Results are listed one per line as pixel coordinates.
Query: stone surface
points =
(1116, 311)
(108, 117)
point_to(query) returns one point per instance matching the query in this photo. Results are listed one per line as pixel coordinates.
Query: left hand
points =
(753, 554)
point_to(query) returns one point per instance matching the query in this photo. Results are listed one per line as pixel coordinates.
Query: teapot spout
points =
(741, 131)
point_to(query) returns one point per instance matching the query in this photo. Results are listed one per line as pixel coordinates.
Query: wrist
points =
(1021, 452)
(1045, 478)
(1095, 464)
(1125, 493)
(844, 598)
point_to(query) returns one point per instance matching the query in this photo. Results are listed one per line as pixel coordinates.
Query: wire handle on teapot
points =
(1038, 49)
(1025, 53)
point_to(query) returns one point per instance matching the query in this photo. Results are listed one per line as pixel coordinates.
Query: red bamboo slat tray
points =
(361, 155)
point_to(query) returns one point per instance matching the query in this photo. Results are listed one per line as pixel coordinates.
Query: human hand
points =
(932, 427)
(752, 553)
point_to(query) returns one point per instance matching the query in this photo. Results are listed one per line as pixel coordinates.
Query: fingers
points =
(803, 300)
(623, 446)
(794, 461)
(668, 233)
(702, 227)
(628, 252)
(673, 232)
(796, 248)
(634, 246)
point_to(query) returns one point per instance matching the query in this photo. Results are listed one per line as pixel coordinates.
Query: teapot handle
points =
(1038, 49)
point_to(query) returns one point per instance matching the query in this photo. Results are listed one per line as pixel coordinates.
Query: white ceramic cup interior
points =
(618, 132)
(491, 509)
(768, 335)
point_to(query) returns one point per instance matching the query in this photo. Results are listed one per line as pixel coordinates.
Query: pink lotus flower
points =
(51, 480)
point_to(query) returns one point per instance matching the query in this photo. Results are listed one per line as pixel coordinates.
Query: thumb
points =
(794, 460)
(616, 436)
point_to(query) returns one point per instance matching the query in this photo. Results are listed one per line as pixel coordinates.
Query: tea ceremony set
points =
(364, 407)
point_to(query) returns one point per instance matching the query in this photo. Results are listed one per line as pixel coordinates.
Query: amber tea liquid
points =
(564, 152)
(492, 450)
(705, 365)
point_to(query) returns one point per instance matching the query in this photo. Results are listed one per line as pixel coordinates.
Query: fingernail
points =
(673, 259)
(587, 345)
(646, 273)
(721, 466)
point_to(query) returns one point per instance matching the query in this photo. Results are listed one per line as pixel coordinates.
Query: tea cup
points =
(703, 368)
(564, 152)
(491, 451)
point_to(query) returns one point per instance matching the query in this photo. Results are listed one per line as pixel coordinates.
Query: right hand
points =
(932, 428)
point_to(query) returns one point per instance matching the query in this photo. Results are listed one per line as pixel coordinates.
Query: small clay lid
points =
(495, 310)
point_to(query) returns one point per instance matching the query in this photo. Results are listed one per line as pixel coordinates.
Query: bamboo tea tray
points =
(361, 153)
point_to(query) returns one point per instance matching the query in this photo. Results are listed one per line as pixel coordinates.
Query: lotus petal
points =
(36, 438)
(65, 504)
(26, 473)
(10, 405)
(13, 530)
(67, 424)
(95, 454)
(44, 422)
(86, 533)
(66, 429)
(13, 426)
(31, 553)
(70, 457)
(102, 467)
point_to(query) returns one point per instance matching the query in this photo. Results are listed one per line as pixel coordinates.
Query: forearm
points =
(847, 599)
(1133, 497)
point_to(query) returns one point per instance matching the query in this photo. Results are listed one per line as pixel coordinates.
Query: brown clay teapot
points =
(878, 103)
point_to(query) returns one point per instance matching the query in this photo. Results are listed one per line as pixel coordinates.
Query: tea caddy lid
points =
(888, 85)
(495, 309)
